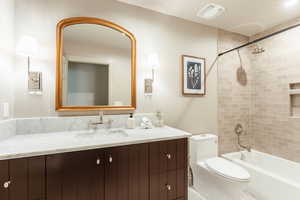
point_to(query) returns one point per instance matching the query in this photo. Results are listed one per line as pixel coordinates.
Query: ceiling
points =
(247, 17)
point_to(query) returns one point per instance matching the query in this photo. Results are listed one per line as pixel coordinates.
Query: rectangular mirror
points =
(95, 66)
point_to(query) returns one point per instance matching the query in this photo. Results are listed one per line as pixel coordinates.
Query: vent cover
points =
(211, 11)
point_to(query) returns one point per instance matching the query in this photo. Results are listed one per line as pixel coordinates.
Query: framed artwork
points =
(193, 72)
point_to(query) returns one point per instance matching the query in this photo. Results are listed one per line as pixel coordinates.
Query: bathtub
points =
(272, 178)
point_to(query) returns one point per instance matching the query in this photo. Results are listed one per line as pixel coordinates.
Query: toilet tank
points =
(203, 147)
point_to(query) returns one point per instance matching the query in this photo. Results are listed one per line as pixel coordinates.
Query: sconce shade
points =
(153, 61)
(28, 46)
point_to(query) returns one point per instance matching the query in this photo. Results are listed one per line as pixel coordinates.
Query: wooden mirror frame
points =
(59, 48)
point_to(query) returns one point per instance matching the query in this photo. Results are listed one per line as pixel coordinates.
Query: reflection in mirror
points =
(96, 66)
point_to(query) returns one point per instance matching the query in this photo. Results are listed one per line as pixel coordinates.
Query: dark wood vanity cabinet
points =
(153, 171)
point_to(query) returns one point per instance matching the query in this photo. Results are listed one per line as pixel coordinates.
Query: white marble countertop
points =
(29, 145)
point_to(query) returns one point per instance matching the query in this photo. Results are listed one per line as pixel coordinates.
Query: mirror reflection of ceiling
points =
(101, 36)
(247, 17)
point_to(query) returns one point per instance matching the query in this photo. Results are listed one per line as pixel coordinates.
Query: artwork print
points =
(193, 75)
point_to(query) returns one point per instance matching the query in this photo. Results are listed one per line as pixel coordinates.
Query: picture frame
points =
(193, 76)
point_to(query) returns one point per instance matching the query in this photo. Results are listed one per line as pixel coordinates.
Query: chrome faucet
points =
(101, 121)
(101, 114)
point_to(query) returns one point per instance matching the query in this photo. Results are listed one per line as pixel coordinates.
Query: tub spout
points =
(248, 148)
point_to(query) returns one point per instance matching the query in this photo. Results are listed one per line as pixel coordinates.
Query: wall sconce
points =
(28, 46)
(153, 63)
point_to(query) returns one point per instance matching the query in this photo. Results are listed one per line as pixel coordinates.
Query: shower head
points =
(257, 49)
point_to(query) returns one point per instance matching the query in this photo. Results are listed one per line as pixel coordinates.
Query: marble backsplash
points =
(21, 126)
(7, 128)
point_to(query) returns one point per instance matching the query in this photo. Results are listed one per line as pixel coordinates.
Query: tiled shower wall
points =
(234, 101)
(275, 131)
(263, 105)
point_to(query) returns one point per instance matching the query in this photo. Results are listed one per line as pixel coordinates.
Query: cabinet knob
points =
(169, 187)
(98, 161)
(110, 159)
(6, 184)
(169, 156)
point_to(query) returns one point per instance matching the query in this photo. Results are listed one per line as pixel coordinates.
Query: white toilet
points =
(214, 177)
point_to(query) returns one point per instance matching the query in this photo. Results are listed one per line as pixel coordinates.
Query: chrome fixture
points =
(101, 121)
(101, 114)
(169, 187)
(153, 62)
(6, 184)
(98, 161)
(239, 131)
(110, 159)
(257, 49)
(28, 47)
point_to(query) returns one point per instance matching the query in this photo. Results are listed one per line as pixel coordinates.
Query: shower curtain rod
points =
(259, 39)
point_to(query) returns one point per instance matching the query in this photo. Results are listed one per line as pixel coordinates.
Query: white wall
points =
(170, 37)
(7, 52)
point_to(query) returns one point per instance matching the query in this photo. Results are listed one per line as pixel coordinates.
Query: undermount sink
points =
(118, 132)
(104, 133)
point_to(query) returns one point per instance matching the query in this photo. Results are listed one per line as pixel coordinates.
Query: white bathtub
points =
(272, 178)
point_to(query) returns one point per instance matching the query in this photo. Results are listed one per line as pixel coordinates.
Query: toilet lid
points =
(227, 169)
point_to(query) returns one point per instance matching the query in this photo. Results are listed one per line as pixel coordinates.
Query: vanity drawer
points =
(168, 186)
(168, 155)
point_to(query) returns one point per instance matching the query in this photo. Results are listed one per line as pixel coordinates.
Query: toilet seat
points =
(227, 169)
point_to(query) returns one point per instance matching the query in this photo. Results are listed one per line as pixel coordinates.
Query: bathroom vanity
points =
(144, 165)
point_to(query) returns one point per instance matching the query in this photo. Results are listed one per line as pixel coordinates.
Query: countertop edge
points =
(90, 147)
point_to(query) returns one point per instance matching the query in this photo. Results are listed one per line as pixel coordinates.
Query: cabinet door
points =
(78, 175)
(139, 172)
(117, 173)
(18, 177)
(36, 178)
(4, 178)
(27, 176)
(127, 173)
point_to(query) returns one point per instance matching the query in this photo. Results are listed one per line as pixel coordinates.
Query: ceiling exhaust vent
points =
(211, 11)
